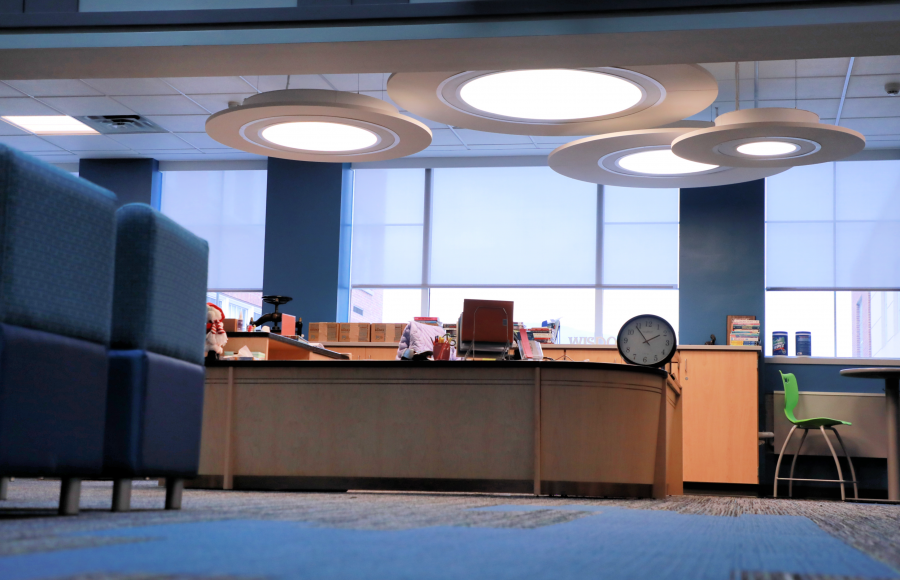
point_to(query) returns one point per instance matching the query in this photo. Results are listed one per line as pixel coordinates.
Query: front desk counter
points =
(552, 428)
(721, 402)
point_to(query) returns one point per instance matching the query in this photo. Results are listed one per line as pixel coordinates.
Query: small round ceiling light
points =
(773, 137)
(316, 125)
(643, 159)
(551, 102)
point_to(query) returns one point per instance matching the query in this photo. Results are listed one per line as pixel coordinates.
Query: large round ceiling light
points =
(318, 136)
(769, 137)
(643, 159)
(549, 102)
(315, 125)
(547, 95)
(661, 162)
(767, 148)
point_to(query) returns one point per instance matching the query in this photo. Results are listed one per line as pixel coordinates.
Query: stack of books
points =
(429, 320)
(542, 334)
(452, 330)
(744, 332)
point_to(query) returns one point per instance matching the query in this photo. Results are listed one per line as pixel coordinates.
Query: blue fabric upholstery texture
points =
(52, 403)
(154, 414)
(57, 249)
(160, 285)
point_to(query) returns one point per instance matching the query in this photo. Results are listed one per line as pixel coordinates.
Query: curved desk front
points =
(558, 428)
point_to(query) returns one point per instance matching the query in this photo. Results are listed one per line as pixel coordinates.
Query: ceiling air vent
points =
(121, 124)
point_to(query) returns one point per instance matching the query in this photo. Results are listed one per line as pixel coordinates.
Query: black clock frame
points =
(661, 363)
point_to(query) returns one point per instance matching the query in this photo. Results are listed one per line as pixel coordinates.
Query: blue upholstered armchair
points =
(57, 250)
(155, 403)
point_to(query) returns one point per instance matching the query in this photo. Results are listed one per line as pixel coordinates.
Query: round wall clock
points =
(647, 340)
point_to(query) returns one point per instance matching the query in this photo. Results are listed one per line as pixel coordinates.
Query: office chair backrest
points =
(791, 394)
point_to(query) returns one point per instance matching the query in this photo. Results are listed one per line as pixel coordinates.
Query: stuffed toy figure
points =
(215, 330)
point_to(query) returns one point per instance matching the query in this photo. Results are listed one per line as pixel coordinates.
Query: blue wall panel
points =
(132, 180)
(306, 207)
(722, 258)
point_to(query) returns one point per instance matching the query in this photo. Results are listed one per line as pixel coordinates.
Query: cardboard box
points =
(323, 331)
(379, 332)
(355, 332)
(395, 332)
(233, 325)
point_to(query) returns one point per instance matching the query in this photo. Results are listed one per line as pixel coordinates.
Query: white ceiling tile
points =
(8, 91)
(775, 69)
(772, 89)
(24, 106)
(471, 137)
(210, 85)
(216, 103)
(725, 70)
(268, 83)
(10, 129)
(213, 154)
(785, 104)
(888, 144)
(444, 137)
(181, 123)
(820, 87)
(54, 88)
(504, 146)
(870, 85)
(29, 144)
(86, 143)
(560, 140)
(876, 65)
(726, 90)
(445, 148)
(873, 126)
(373, 81)
(110, 154)
(202, 141)
(874, 107)
(307, 82)
(56, 158)
(823, 67)
(722, 107)
(824, 108)
(161, 105)
(131, 86)
(346, 82)
(88, 106)
(150, 141)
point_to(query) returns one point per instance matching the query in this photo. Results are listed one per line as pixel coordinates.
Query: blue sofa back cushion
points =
(160, 289)
(52, 404)
(57, 249)
(154, 415)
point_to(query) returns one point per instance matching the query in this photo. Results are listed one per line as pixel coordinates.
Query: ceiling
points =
(182, 105)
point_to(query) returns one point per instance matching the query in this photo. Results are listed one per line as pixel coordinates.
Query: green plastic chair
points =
(791, 398)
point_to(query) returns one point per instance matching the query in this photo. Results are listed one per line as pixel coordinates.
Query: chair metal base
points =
(70, 496)
(121, 500)
(174, 491)
(4, 488)
(791, 479)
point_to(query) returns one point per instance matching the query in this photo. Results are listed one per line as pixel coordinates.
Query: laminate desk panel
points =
(527, 427)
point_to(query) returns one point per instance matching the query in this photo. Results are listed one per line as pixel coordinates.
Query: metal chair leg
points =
(794, 463)
(174, 491)
(70, 496)
(4, 488)
(836, 462)
(850, 461)
(780, 455)
(121, 499)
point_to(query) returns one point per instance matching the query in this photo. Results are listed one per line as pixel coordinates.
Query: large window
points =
(424, 240)
(228, 210)
(833, 257)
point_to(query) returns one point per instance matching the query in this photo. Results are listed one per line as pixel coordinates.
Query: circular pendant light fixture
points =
(557, 101)
(316, 125)
(773, 137)
(643, 159)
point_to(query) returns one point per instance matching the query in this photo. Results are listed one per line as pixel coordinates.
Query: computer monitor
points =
(485, 328)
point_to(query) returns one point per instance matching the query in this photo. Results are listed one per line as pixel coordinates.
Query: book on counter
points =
(429, 320)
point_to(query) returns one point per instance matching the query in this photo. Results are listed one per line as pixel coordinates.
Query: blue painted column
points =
(132, 180)
(308, 223)
(722, 259)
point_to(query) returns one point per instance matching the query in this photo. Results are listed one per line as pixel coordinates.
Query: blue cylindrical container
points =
(779, 343)
(804, 343)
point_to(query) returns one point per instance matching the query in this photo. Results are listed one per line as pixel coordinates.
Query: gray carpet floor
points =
(28, 524)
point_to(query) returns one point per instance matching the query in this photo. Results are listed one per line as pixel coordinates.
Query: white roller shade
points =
(228, 210)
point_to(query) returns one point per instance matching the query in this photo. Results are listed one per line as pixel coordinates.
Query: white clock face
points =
(647, 340)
